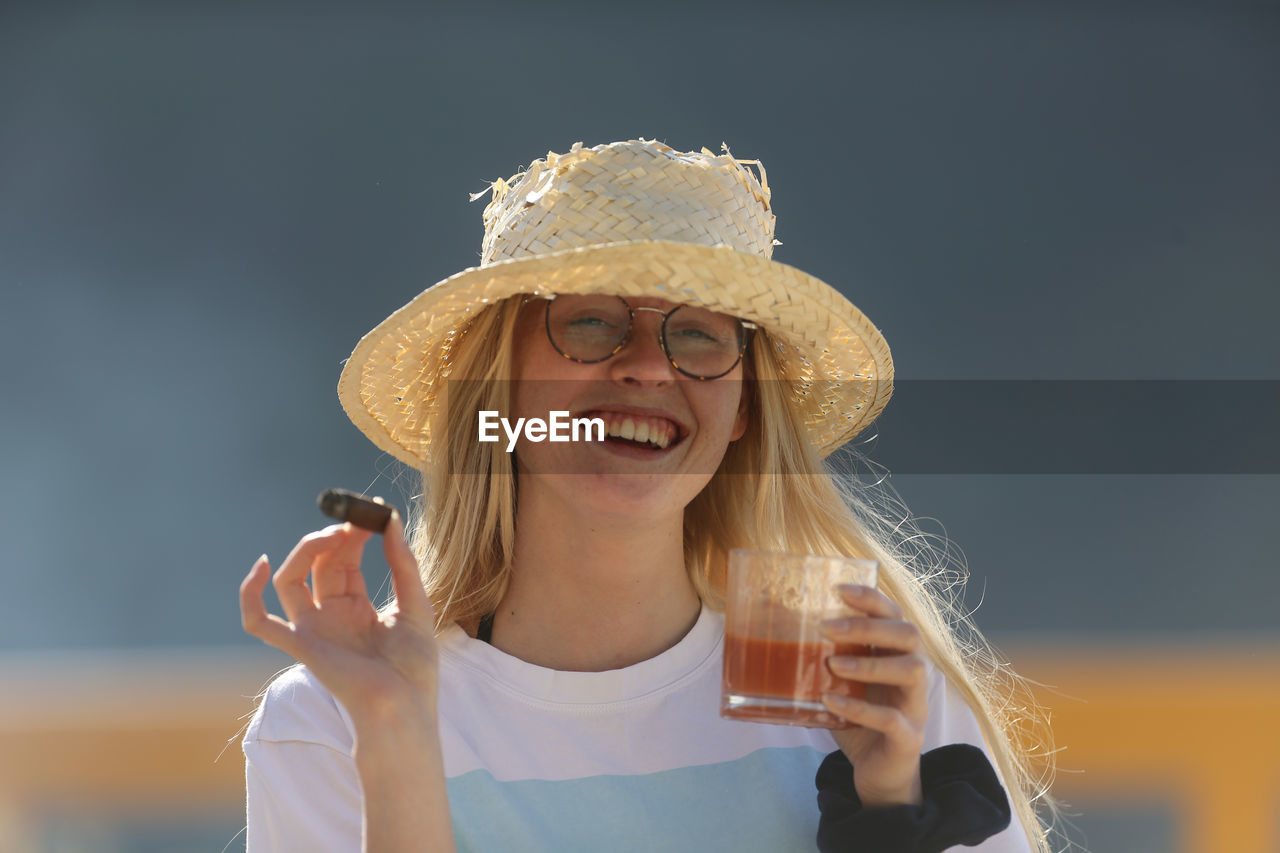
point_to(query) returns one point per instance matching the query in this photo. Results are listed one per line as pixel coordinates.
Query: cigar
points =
(357, 509)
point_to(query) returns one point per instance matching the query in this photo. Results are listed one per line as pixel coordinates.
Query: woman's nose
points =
(643, 359)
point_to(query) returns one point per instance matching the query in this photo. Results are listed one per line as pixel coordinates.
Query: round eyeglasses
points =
(699, 343)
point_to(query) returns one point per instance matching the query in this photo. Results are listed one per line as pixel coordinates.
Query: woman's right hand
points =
(377, 665)
(382, 667)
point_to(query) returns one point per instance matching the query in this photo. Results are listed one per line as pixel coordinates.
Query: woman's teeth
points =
(657, 432)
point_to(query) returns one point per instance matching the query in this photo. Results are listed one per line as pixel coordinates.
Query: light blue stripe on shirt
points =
(763, 802)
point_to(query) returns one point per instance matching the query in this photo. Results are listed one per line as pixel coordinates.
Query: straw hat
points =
(638, 219)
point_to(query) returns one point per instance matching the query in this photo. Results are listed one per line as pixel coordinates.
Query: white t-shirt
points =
(634, 759)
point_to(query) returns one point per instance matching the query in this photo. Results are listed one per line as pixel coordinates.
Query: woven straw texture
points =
(637, 219)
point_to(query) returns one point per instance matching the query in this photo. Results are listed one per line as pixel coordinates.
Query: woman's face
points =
(637, 389)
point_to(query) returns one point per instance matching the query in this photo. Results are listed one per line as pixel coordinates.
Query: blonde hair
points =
(772, 492)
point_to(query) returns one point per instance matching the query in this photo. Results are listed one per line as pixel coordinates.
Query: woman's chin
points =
(622, 497)
(618, 478)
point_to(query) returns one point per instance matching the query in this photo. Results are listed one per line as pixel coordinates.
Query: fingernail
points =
(852, 589)
(836, 626)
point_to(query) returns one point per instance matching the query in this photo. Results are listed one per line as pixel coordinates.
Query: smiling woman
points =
(548, 675)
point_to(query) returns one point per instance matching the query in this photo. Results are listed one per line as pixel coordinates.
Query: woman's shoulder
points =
(296, 707)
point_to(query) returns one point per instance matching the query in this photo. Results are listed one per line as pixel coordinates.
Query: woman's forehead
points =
(650, 302)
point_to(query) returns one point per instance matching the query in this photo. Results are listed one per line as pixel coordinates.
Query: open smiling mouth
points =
(646, 432)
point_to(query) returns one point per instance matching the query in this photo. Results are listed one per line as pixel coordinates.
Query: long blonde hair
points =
(772, 491)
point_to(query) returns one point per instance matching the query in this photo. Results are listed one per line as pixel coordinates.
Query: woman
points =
(548, 675)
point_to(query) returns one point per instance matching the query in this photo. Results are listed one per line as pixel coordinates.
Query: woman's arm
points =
(879, 790)
(405, 804)
(884, 745)
(381, 667)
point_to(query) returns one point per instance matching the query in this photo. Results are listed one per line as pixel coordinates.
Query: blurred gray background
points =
(203, 210)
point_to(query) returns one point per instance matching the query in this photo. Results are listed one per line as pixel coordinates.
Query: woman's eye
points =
(590, 322)
(594, 325)
(696, 334)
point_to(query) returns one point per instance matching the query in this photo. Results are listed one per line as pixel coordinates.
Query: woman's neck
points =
(589, 594)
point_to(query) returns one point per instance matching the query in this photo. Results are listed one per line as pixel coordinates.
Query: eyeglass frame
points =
(746, 325)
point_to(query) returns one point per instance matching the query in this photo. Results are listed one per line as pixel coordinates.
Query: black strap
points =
(485, 631)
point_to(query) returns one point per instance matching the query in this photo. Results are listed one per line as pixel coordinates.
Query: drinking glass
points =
(775, 654)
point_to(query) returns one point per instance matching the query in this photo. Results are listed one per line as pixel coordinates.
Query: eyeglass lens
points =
(592, 328)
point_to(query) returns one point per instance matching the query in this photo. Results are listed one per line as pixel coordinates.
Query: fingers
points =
(870, 600)
(896, 663)
(906, 670)
(882, 626)
(255, 619)
(291, 578)
(890, 634)
(411, 595)
(905, 734)
(336, 573)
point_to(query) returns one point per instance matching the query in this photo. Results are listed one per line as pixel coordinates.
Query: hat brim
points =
(836, 360)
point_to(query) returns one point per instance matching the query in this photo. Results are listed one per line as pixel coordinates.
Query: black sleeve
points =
(964, 803)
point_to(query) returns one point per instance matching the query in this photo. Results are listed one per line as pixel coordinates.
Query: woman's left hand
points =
(884, 745)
